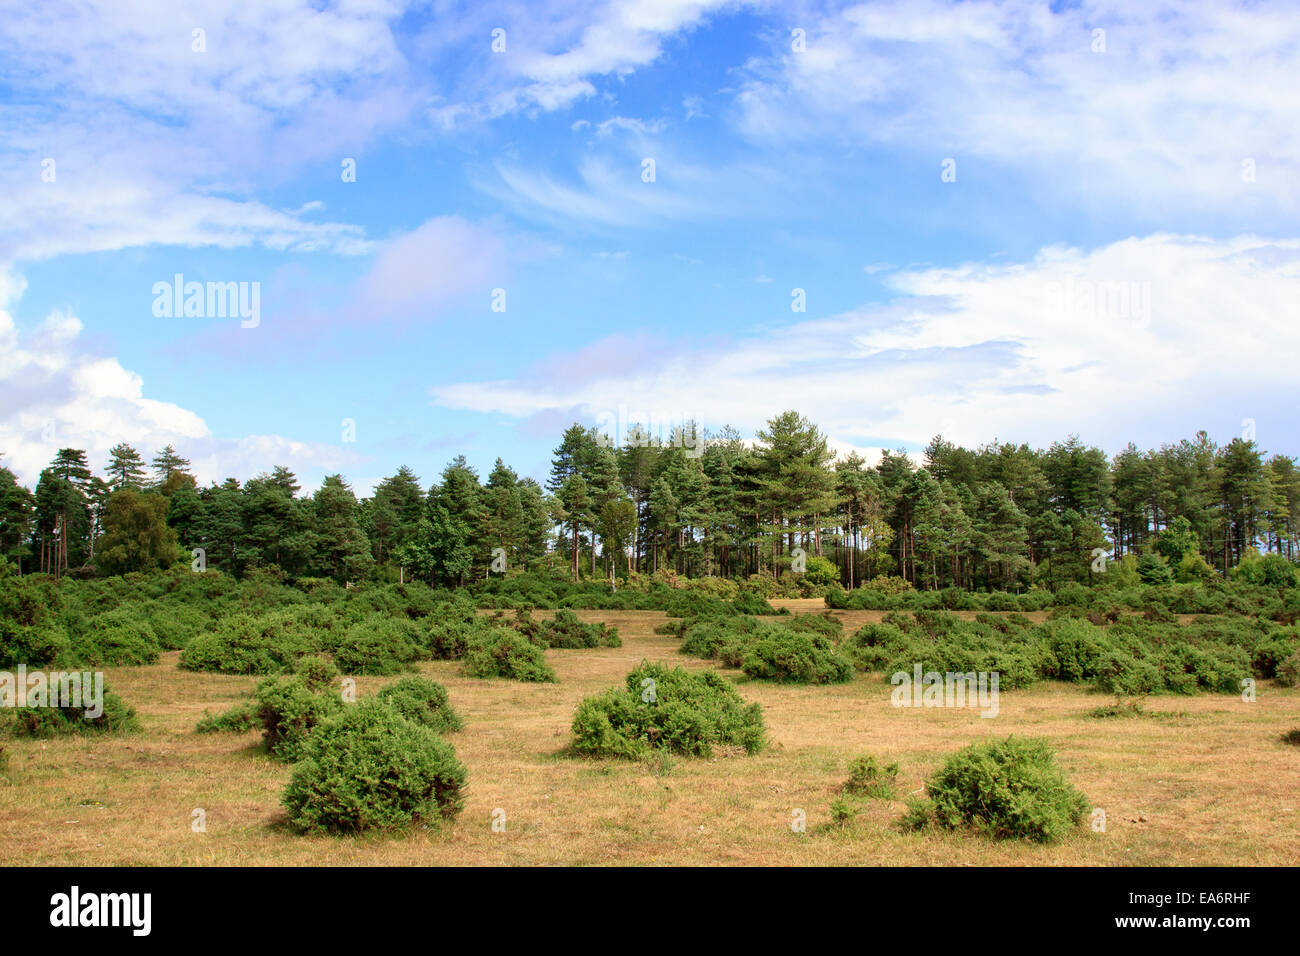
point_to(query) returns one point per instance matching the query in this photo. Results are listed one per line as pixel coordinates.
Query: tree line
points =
(1000, 516)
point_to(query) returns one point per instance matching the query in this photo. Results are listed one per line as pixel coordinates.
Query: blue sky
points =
(1115, 256)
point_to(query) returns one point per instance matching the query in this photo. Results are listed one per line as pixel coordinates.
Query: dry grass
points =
(1208, 781)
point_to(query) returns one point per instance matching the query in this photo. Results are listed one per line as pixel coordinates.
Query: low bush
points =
(239, 719)
(1288, 672)
(790, 656)
(421, 701)
(369, 768)
(123, 637)
(290, 708)
(252, 644)
(504, 652)
(379, 644)
(1008, 788)
(662, 709)
(567, 631)
(53, 719)
(35, 645)
(868, 778)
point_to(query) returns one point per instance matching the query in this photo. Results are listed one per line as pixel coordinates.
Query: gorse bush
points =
(868, 778)
(239, 719)
(380, 645)
(504, 652)
(1131, 656)
(421, 701)
(790, 656)
(1008, 788)
(252, 644)
(672, 710)
(35, 645)
(369, 768)
(116, 638)
(566, 630)
(56, 720)
(290, 708)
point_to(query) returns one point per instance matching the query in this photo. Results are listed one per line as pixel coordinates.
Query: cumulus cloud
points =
(57, 394)
(1169, 99)
(1146, 336)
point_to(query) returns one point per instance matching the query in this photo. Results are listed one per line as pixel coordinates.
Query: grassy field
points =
(1202, 780)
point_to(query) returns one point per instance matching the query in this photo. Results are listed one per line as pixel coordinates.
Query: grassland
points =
(1199, 780)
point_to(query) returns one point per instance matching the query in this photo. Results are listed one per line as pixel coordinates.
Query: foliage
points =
(672, 710)
(868, 778)
(504, 652)
(1008, 788)
(56, 720)
(369, 768)
(421, 701)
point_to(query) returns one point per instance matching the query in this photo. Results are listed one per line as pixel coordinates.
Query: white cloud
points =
(56, 394)
(1182, 94)
(1143, 336)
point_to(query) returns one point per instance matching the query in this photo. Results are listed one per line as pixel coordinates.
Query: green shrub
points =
(252, 644)
(239, 719)
(826, 624)
(503, 652)
(789, 656)
(867, 778)
(35, 645)
(747, 602)
(665, 709)
(117, 717)
(1292, 737)
(843, 811)
(1077, 649)
(1288, 672)
(1003, 788)
(290, 709)
(567, 631)
(719, 638)
(378, 644)
(123, 637)
(421, 701)
(370, 768)
(1122, 674)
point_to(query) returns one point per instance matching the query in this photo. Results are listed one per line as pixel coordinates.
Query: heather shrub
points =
(421, 701)
(503, 652)
(662, 709)
(1008, 788)
(369, 768)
